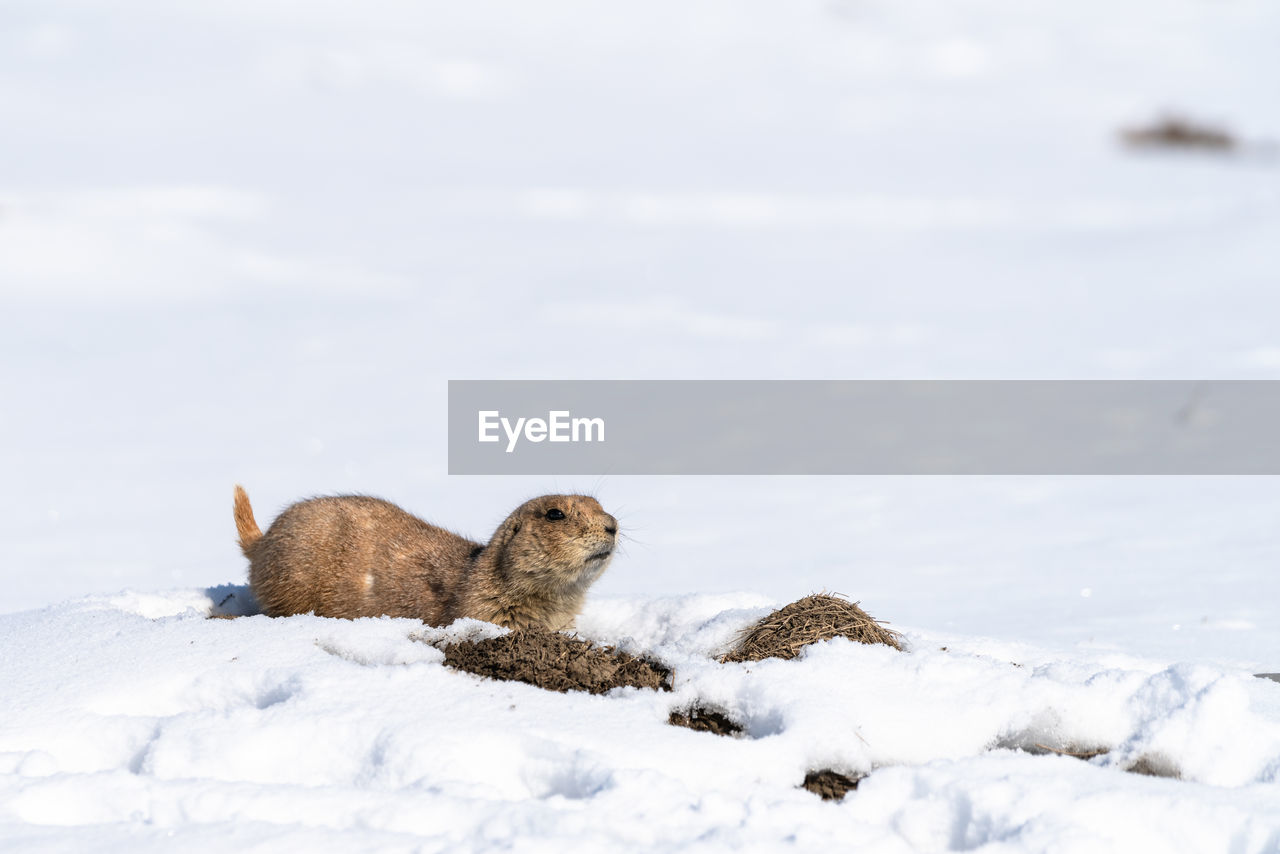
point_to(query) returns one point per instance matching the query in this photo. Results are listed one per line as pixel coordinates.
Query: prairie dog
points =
(356, 556)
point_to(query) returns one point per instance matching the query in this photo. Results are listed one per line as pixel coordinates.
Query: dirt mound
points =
(829, 785)
(704, 720)
(805, 621)
(556, 662)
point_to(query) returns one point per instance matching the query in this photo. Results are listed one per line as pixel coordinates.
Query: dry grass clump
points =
(814, 618)
(555, 662)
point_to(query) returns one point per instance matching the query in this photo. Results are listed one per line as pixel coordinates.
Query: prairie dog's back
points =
(354, 556)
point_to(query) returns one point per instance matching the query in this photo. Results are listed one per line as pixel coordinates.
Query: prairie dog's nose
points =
(610, 525)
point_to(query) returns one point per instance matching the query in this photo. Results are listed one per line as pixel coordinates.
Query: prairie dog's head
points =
(562, 539)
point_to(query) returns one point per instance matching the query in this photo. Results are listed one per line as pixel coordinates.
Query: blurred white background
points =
(251, 241)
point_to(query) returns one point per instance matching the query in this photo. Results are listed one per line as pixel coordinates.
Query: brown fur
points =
(355, 556)
(246, 525)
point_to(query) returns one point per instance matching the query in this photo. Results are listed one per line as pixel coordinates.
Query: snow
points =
(250, 242)
(178, 730)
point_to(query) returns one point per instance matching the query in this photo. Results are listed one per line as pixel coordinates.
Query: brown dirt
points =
(1147, 764)
(1075, 750)
(1154, 766)
(556, 662)
(829, 785)
(783, 633)
(704, 720)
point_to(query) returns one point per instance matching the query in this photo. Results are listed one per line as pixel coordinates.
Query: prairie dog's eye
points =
(555, 515)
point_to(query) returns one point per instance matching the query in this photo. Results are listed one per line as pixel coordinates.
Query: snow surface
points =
(135, 720)
(251, 241)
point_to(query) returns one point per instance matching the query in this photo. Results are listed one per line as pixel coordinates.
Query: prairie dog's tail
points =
(246, 525)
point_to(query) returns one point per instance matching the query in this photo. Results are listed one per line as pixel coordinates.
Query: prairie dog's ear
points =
(508, 529)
